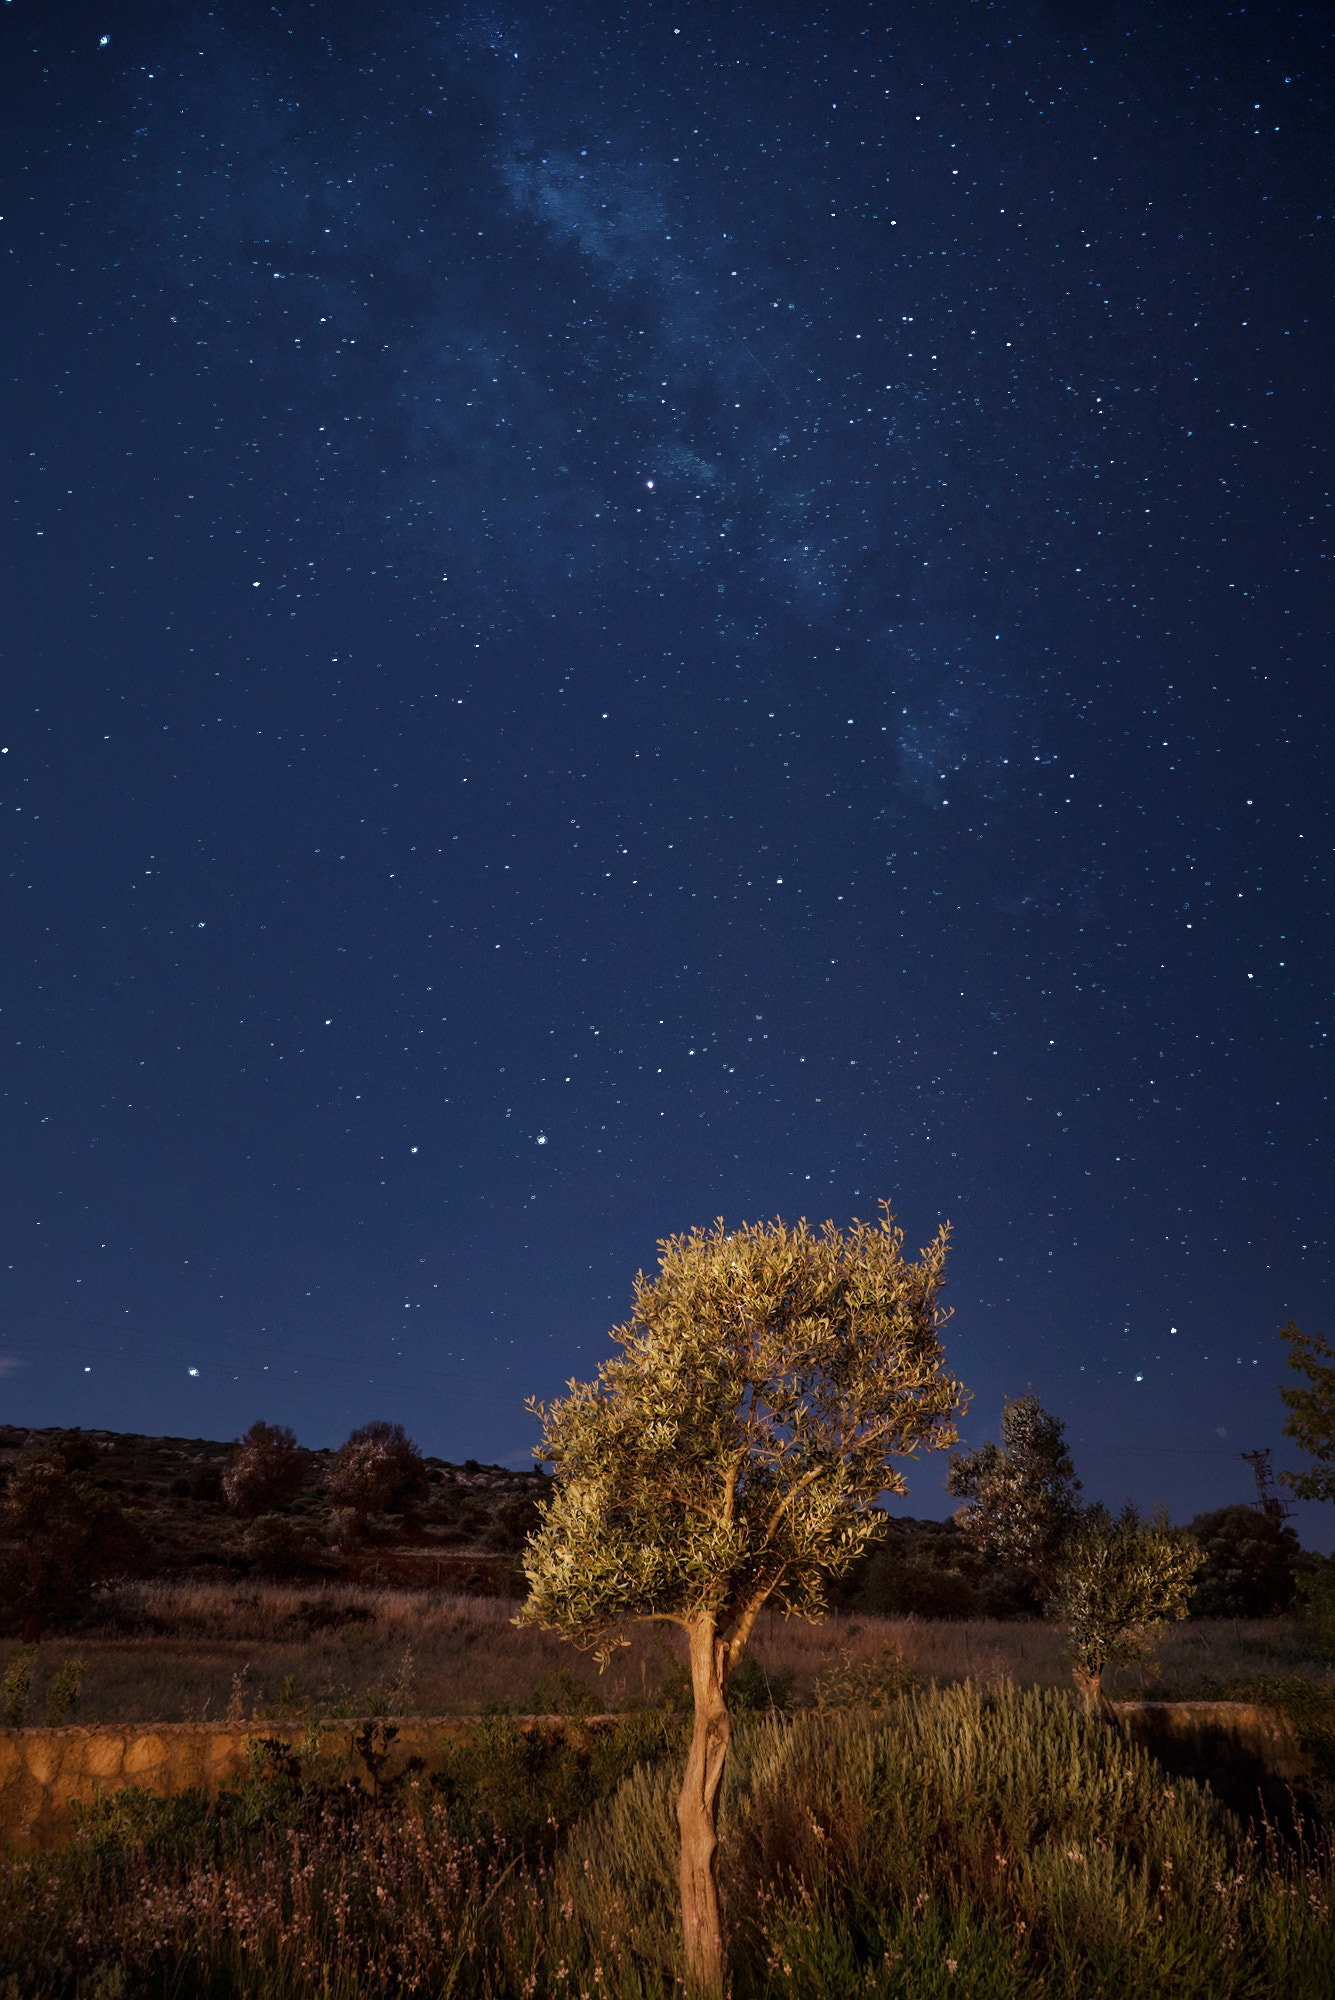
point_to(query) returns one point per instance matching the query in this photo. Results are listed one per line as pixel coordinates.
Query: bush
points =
(65, 1692)
(926, 1569)
(1316, 1607)
(279, 1547)
(16, 1686)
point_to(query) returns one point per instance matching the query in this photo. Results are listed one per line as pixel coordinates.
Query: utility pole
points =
(1267, 1498)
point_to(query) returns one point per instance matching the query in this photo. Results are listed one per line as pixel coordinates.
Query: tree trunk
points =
(697, 1811)
(1090, 1687)
(33, 1627)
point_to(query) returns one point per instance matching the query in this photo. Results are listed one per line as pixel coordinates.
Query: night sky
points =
(617, 617)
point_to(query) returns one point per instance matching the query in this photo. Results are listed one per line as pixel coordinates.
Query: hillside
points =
(466, 1534)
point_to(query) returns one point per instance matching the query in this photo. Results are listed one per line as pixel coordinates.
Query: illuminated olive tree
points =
(729, 1456)
(1118, 1581)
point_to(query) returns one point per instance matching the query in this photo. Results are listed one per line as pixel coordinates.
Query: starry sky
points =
(612, 617)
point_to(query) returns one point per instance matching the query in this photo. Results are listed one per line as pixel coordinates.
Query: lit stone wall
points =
(43, 1770)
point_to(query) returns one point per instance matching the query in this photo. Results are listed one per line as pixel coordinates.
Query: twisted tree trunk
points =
(697, 1810)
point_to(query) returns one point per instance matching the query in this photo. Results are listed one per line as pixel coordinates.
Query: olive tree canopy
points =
(1118, 1581)
(731, 1455)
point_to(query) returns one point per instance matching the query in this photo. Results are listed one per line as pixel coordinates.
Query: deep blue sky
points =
(612, 618)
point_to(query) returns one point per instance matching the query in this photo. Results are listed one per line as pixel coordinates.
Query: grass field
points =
(162, 1652)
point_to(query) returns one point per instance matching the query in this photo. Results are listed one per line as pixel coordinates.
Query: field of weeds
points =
(167, 1652)
(992, 1842)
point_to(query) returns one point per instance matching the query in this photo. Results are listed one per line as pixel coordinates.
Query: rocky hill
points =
(466, 1533)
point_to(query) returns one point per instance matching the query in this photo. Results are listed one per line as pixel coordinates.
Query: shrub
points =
(1316, 1607)
(64, 1693)
(16, 1686)
(927, 1569)
(279, 1547)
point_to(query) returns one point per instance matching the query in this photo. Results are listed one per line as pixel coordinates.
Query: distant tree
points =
(1116, 1582)
(731, 1456)
(1021, 1497)
(1312, 1424)
(266, 1471)
(1248, 1564)
(61, 1535)
(378, 1471)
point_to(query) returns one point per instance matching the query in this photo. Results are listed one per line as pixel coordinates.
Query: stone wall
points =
(43, 1770)
(1228, 1731)
(1248, 1755)
(1233, 1745)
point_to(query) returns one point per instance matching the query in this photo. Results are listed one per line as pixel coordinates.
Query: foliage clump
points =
(279, 1547)
(1248, 1564)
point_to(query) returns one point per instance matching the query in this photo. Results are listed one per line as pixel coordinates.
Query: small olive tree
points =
(730, 1456)
(1117, 1581)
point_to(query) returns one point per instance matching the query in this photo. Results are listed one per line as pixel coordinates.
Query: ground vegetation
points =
(995, 1842)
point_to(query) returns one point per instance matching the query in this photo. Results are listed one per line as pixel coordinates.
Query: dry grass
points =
(173, 1652)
